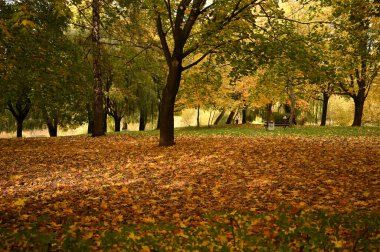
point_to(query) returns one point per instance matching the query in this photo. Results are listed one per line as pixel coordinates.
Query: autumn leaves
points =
(123, 180)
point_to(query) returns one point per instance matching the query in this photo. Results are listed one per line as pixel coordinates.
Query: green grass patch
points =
(249, 130)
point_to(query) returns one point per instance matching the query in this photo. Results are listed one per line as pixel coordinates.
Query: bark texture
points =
(98, 128)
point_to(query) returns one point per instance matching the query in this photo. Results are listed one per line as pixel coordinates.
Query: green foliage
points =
(286, 229)
(43, 65)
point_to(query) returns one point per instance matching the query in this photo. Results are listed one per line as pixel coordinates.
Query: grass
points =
(255, 130)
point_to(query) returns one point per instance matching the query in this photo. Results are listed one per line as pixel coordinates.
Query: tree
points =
(32, 51)
(357, 39)
(194, 27)
(199, 87)
(98, 129)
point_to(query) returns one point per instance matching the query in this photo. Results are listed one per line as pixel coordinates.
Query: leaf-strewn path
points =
(123, 179)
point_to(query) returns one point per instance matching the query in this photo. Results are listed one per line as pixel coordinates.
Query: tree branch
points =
(162, 36)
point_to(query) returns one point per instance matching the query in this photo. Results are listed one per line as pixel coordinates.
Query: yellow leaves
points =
(223, 239)
(27, 22)
(133, 236)
(199, 175)
(120, 218)
(68, 211)
(55, 225)
(145, 249)
(124, 189)
(20, 202)
(104, 205)
(366, 194)
(215, 192)
(88, 235)
(338, 243)
(16, 177)
(149, 220)
(24, 217)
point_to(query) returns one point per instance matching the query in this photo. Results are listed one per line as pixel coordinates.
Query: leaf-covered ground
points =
(122, 179)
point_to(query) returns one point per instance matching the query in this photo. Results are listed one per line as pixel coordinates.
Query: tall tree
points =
(357, 39)
(98, 129)
(194, 27)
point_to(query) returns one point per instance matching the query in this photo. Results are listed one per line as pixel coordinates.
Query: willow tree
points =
(188, 32)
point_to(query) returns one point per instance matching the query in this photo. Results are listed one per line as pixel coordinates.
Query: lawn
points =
(244, 187)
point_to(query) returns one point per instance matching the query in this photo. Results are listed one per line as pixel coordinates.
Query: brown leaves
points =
(118, 180)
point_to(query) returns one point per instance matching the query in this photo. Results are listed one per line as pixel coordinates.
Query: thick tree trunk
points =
(143, 118)
(359, 106)
(230, 117)
(244, 116)
(326, 98)
(167, 104)
(98, 84)
(53, 127)
(117, 123)
(220, 116)
(198, 120)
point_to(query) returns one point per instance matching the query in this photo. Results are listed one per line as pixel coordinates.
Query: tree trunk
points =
(143, 118)
(159, 109)
(244, 116)
(53, 127)
(105, 121)
(220, 116)
(269, 112)
(158, 121)
(210, 118)
(230, 117)
(198, 121)
(98, 84)
(292, 120)
(117, 123)
(359, 106)
(167, 104)
(90, 127)
(20, 112)
(125, 126)
(19, 127)
(326, 98)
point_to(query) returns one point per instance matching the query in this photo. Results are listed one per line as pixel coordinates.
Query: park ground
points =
(82, 189)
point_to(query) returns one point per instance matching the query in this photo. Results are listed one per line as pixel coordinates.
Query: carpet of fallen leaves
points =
(123, 179)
